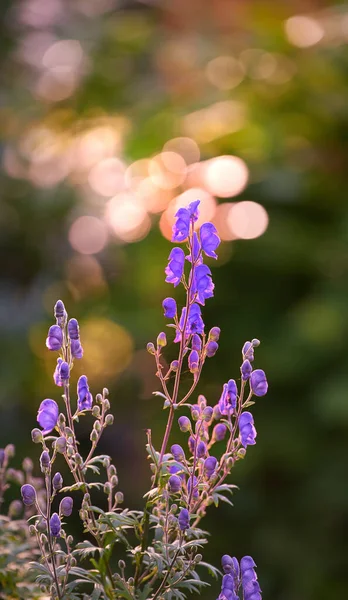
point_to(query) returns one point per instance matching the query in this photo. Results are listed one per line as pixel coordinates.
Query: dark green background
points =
(288, 288)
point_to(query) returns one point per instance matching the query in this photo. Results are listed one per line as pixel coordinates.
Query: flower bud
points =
(193, 361)
(55, 525)
(94, 436)
(207, 413)
(258, 382)
(15, 476)
(174, 484)
(99, 398)
(97, 426)
(44, 460)
(178, 452)
(66, 506)
(196, 343)
(70, 451)
(64, 371)
(246, 369)
(174, 365)
(2, 457)
(119, 497)
(54, 340)
(241, 453)
(211, 349)
(28, 494)
(27, 465)
(201, 449)
(202, 401)
(107, 488)
(32, 529)
(69, 540)
(109, 419)
(198, 558)
(255, 342)
(112, 470)
(96, 411)
(216, 412)
(114, 480)
(184, 519)
(210, 465)
(78, 458)
(57, 482)
(219, 432)
(36, 436)
(106, 404)
(195, 412)
(60, 445)
(169, 306)
(150, 348)
(15, 509)
(184, 424)
(214, 334)
(191, 444)
(173, 509)
(121, 564)
(10, 450)
(161, 340)
(60, 312)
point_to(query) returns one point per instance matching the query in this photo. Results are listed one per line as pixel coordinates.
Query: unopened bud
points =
(174, 365)
(202, 401)
(173, 508)
(94, 436)
(112, 470)
(57, 481)
(107, 488)
(214, 334)
(105, 392)
(60, 445)
(44, 460)
(99, 398)
(73, 561)
(121, 565)
(119, 497)
(36, 436)
(184, 424)
(96, 411)
(106, 462)
(69, 539)
(70, 451)
(32, 529)
(106, 404)
(78, 459)
(109, 419)
(198, 558)
(10, 450)
(97, 425)
(61, 420)
(27, 465)
(150, 348)
(15, 509)
(255, 342)
(114, 480)
(241, 453)
(161, 340)
(211, 348)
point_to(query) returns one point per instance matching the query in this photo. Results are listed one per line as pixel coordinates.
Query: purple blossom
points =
(196, 249)
(248, 351)
(246, 429)
(56, 374)
(230, 565)
(258, 382)
(246, 369)
(251, 587)
(193, 361)
(64, 371)
(28, 494)
(201, 449)
(202, 284)
(214, 334)
(193, 484)
(207, 413)
(194, 322)
(228, 399)
(196, 342)
(211, 349)
(176, 470)
(181, 227)
(195, 411)
(175, 268)
(169, 306)
(60, 445)
(55, 525)
(178, 452)
(85, 398)
(45, 460)
(219, 432)
(66, 506)
(191, 442)
(54, 340)
(59, 312)
(209, 239)
(210, 465)
(47, 415)
(57, 481)
(174, 483)
(76, 349)
(184, 423)
(184, 519)
(73, 329)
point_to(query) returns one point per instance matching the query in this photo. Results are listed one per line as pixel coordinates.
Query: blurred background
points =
(115, 113)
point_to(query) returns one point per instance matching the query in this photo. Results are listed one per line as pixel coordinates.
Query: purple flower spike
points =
(178, 452)
(181, 227)
(202, 285)
(54, 340)
(210, 465)
(258, 382)
(66, 506)
(246, 369)
(184, 519)
(85, 398)
(209, 239)
(174, 483)
(246, 429)
(28, 494)
(175, 268)
(228, 400)
(47, 415)
(169, 306)
(55, 525)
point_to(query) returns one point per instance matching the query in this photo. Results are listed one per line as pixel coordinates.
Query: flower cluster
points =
(239, 576)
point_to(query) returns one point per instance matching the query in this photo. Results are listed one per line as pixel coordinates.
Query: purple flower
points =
(251, 587)
(181, 227)
(246, 429)
(45, 460)
(66, 506)
(194, 322)
(184, 423)
(55, 525)
(175, 268)
(258, 382)
(169, 306)
(73, 329)
(228, 400)
(191, 442)
(246, 369)
(196, 249)
(207, 413)
(209, 239)
(64, 371)
(230, 565)
(60, 445)
(59, 310)
(193, 484)
(202, 285)
(85, 398)
(176, 470)
(184, 519)
(196, 342)
(211, 349)
(174, 483)
(57, 481)
(76, 349)
(47, 415)
(219, 432)
(248, 351)
(193, 361)
(195, 411)
(210, 465)
(54, 340)
(28, 494)
(56, 374)
(178, 452)
(201, 449)
(214, 334)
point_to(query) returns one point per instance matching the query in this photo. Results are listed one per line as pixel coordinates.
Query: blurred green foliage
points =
(146, 66)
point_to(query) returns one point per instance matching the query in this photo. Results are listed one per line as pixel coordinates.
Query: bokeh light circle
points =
(247, 220)
(226, 176)
(88, 235)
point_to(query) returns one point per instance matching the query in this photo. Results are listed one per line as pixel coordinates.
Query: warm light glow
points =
(207, 209)
(127, 217)
(186, 147)
(221, 221)
(136, 173)
(247, 220)
(85, 276)
(96, 144)
(107, 177)
(303, 31)
(56, 84)
(88, 235)
(167, 170)
(32, 47)
(151, 197)
(226, 176)
(225, 72)
(64, 52)
(215, 121)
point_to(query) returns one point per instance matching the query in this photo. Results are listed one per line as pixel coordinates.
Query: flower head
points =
(85, 398)
(169, 306)
(184, 216)
(47, 415)
(184, 519)
(202, 284)
(246, 369)
(28, 494)
(55, 525)
(246, 429)
(258, 382)
(175, 268)
(228, 399)
(194, 322)
(209, 239)
(54, 340)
